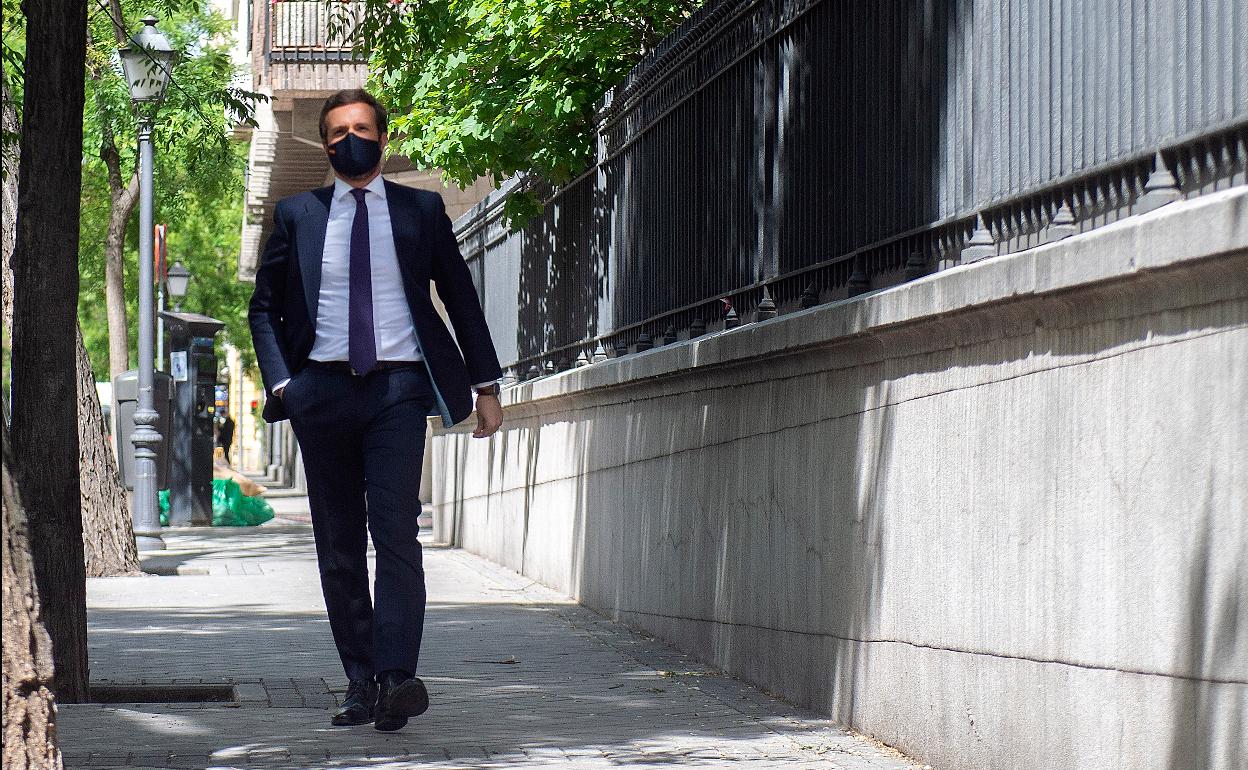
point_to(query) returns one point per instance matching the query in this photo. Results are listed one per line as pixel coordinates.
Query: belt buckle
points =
(354, 373)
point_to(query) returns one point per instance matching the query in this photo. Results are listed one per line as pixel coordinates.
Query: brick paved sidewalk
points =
(519, 677)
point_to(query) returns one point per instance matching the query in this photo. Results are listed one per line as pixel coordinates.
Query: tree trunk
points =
(123, 195)
(123, 200)
(45, 283)
(107, 532)
(29, 708)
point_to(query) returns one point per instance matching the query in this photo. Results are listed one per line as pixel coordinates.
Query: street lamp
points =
(178, 278)
(146, 62)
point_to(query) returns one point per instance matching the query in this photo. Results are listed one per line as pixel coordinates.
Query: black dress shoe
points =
(359, 705)
(399, 698)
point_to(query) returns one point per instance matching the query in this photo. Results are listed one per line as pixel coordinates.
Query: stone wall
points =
(994, 517)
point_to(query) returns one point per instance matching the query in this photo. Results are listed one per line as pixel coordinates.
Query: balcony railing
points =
(300, 30)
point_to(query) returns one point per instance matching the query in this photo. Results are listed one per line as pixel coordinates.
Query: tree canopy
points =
(492, 88)
(199, 172)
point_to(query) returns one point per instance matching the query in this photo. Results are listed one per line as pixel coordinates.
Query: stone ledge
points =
(1181, 232)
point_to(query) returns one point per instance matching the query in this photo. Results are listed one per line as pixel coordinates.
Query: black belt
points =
(345, 367)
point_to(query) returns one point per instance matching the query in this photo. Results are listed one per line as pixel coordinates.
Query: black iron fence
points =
(775, 154)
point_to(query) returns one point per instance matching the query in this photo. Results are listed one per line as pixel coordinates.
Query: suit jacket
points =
(288, 283)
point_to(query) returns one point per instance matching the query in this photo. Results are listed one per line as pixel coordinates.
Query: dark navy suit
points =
(362, 438)
(288, 283)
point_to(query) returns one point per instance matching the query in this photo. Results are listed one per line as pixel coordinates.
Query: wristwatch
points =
(492, 389)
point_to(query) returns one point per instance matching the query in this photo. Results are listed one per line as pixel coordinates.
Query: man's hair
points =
(353, 96)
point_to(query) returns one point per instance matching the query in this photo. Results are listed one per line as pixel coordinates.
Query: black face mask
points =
(354, 156)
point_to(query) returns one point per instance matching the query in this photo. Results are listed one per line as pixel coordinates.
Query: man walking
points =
(353, 351)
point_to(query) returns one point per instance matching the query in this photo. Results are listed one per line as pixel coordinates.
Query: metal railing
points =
(775, 154)
(300, 30)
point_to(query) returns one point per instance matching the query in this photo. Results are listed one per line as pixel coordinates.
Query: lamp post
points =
(178, 277)
(146, 62)
(162, 270)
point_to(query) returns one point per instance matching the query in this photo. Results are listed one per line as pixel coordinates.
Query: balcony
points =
(297, 52)
(299, 30)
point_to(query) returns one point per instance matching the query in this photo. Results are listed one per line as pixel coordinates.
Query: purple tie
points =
(361, 345)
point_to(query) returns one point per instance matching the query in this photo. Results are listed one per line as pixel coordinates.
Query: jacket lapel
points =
(405, 226)
(311, 245)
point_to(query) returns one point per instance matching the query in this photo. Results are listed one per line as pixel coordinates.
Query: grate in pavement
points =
(173, 570)
(163, 693)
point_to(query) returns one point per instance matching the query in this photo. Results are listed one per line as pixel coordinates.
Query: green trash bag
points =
(230, 507)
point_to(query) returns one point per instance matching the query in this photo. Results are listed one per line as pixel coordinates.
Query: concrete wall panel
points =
(995, 517)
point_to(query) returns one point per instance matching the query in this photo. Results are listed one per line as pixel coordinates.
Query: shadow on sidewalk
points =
(273, 542)
(509, 683)
(517, 676)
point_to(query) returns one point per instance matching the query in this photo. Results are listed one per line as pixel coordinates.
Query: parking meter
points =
(193, 365)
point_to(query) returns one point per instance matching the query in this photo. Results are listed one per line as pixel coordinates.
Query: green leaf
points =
(498, 87)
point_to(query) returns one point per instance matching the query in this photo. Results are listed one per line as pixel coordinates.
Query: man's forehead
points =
(351, 113)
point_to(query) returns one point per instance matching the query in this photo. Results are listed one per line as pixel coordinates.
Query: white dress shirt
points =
(393, 328)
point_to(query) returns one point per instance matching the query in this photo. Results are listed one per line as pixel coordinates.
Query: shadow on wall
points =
(564, 272)
(823, 140)
(1212, 637)
(788, 518)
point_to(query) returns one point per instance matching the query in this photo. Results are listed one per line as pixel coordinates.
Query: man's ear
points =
(382, 141)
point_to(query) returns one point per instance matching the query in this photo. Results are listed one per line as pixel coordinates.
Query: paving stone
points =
(519, 677)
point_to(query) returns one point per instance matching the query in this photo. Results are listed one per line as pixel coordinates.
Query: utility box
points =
(126, 403)
(193, 365)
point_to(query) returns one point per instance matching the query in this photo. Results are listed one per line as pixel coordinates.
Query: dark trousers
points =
(362, 440)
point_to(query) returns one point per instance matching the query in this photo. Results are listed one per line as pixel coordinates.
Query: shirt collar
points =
(377, 186)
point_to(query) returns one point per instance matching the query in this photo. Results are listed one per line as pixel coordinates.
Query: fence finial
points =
(810, 296)
(669, 336)
(1061, 226)
(981, 245)
(859, 281)
(766, 306)
(582, 360)
(697, 328)
(916, 265)
(731, 319)
(534, 372)
(621, 349)
(1160, 189)
(600, 353)
(644, 342)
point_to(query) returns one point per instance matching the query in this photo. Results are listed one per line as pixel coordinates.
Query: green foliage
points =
(192, 128)
(12, 59)
(205, 233)
(204, 230)
(199, 170)
(499, 87)
(198, 173)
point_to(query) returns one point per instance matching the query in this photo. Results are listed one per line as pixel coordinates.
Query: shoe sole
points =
(409, 699)
(345, 722)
